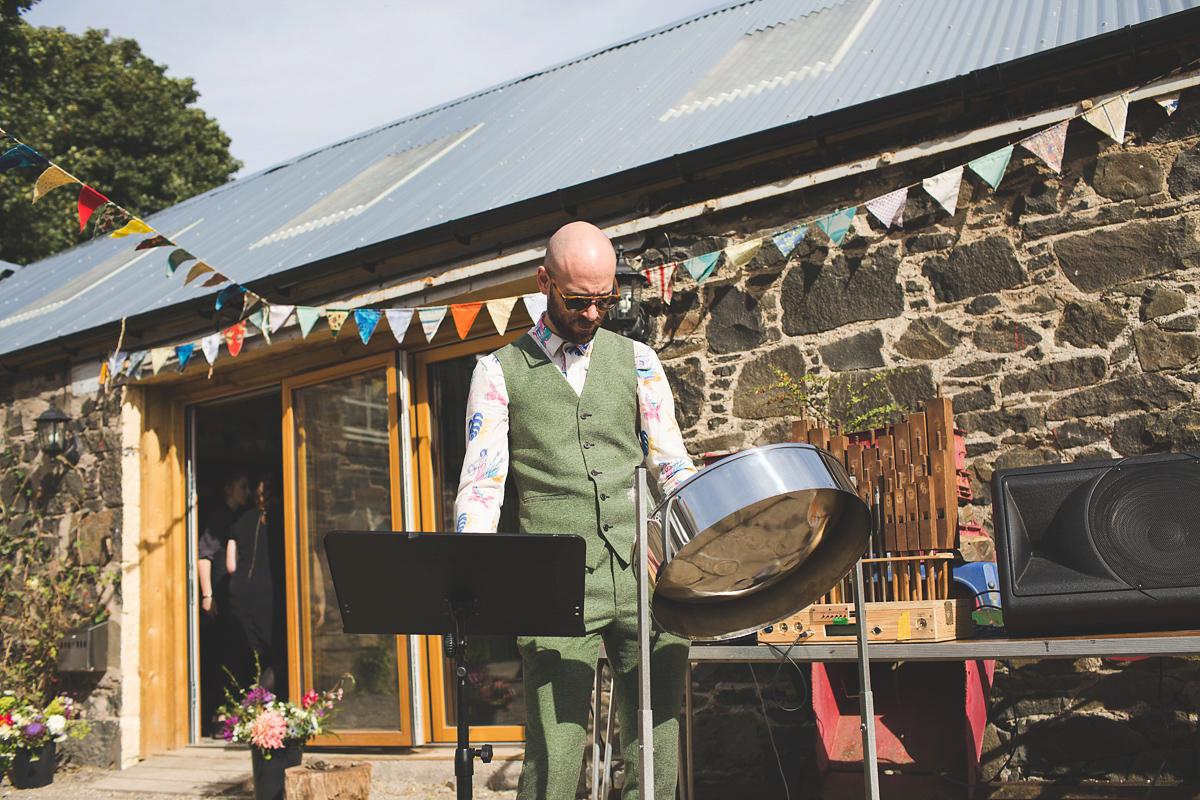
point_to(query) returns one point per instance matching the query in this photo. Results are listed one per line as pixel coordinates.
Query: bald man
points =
(572, 410)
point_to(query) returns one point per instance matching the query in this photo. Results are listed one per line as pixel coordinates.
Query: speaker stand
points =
(641, 495)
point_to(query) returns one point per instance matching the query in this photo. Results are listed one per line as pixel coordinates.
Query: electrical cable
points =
(770, 733)
(785, 657)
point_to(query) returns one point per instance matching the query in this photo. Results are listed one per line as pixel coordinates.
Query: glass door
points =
(343, 426)
(494, 681)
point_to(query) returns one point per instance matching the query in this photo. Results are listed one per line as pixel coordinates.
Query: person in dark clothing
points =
(254, 557)
(217, 640)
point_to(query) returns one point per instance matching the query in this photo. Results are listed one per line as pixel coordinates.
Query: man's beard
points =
(572, 328)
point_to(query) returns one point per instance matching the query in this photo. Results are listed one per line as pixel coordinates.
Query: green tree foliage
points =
(105, 113)
(866, 403)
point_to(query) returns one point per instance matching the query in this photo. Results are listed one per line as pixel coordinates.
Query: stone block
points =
(1184, 177)
(759, 373)
(336, 782)
(687, 382)
(735, 322)
(977, 400)
(1005, 336)
(1131, 393)
(815, 297)
(973, 269)
(975, 369)
(1090, 323)
(1184, 324)
(928, 338)
(1076, 434)
(1158, 349)
(1161, 301)
(861, 351)
(1122, 175)
(1173, 431)
(982, 304)
(1057, 376)
(1101, 259)
(91, 534)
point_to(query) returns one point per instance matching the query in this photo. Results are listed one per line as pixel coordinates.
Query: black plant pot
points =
(268, 767)
(33, 768)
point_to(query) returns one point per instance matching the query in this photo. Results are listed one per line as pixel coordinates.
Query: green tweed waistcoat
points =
(573, 457)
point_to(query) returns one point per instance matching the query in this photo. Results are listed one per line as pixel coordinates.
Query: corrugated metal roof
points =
(601, 114)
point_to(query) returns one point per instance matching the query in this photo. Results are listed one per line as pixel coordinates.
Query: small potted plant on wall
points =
(276, 731)
(29, 736)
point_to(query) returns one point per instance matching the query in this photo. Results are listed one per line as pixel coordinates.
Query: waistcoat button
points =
(607, 527)
(603, 496)
(586, 445)
(595, 472)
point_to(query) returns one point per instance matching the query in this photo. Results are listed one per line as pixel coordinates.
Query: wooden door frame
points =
(427, 507)
(299, 664)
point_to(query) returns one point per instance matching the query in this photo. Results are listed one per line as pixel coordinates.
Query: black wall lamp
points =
(629, 318)
(53, 438)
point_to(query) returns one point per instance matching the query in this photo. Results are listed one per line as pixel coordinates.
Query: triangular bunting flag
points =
(178, 257)
(158, 357)
(133, 226)
(211, 346)
(277, 315)
(307, 316)
(336, 318)
(89, 201)
(21, 156)
(399, 319)
(249, 301)
(235, 335)
(944, 187)
(786, 241)
(184, 353)
(464, 314)
(50, 180)
(1109, 117)
(1048, 145)
(366, 319)
(115, 361)
(500, 311)
(230, 295)
(431, 318)
(216, 280)
(258, 320)
(198, 269)
(991, 167)
(535, 305)
(740, 254)
(662, 278)
(135, 361)
(889, 208)
(154, 241)
(701, 267)
(837, 224)
(1169, 102)
(102, 380)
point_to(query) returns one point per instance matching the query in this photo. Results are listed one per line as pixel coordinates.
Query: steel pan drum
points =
(752, 539)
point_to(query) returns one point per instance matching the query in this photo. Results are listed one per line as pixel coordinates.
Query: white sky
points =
(283, 77)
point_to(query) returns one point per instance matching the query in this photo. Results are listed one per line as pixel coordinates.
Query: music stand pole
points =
(866, 700)
(645, 713)
(464, 754)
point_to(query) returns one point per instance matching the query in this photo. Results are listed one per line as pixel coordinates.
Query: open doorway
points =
(235, 458)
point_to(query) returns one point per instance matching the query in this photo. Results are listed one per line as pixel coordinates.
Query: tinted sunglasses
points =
(579, 303)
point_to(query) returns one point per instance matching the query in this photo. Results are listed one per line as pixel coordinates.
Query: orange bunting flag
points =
(50, 180)
(134, 225)
(89, 201)
(336, 319)
(216, 280)
(464, 314)
(234, 336)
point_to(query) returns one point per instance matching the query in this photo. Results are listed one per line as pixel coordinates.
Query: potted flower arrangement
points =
(29, 735)
(276, 731)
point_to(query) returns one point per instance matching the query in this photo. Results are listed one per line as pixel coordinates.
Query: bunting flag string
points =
(1048, 145)
(500, 311)
(944, 187)
(889, 208)
(366, 319)
(398, 320)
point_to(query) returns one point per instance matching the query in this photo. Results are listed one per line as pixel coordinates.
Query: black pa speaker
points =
(1099, 546)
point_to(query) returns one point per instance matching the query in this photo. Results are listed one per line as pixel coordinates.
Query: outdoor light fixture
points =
(52, 430)
(629, 318)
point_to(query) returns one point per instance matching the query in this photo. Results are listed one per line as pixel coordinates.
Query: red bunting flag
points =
(464, 315)
(89, 201)
(234, 336)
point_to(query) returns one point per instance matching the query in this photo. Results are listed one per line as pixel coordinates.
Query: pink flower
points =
(310, 697)
(267, 730)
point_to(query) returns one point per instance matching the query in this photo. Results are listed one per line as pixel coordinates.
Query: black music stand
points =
(501, 584)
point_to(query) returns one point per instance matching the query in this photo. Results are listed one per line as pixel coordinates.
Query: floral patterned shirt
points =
(485, 467)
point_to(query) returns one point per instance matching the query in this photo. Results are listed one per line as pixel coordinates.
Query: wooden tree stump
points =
(338, 782)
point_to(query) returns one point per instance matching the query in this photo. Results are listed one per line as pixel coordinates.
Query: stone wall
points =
(1060, 314)
(76, 506)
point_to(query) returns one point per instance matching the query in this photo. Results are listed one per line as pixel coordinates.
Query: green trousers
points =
(559, 675)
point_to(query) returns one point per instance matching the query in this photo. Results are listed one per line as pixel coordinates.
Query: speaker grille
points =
(1145, 522)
